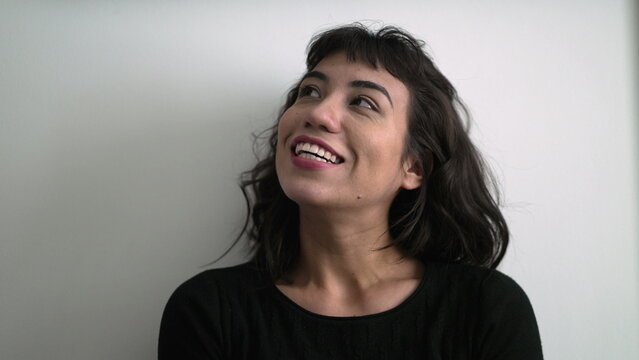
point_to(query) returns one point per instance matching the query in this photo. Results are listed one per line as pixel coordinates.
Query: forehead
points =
(339, 68)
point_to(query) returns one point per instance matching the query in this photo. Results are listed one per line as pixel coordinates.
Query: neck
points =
(338, 252)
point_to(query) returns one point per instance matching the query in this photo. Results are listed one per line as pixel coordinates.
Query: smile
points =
(315, 152)
(305, 147)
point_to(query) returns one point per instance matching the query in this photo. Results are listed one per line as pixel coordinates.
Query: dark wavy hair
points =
(453, 216)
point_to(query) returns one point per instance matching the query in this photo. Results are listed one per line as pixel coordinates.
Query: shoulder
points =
(484, 282)
(504, 320)
(200, 313)
(214, 283)
(491, 287)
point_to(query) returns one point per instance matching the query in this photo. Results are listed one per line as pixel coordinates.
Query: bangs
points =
(396, 51)
(358, 44)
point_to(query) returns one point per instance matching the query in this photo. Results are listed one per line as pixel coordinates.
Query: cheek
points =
(280, 150)
(384, 148)
(381, 161)
(281, 130)
(284, 129)
(288, 118)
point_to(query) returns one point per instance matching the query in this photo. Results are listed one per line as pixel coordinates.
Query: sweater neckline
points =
(405, 303)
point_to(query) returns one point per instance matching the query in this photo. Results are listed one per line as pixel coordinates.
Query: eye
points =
(364, 102)
(308, 90)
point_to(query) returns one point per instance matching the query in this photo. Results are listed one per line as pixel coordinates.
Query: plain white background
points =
(124, 126)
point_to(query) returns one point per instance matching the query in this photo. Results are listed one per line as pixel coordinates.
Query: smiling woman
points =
(344, 107)
(375, 232)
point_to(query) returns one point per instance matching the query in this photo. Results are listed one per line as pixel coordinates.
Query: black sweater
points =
(457, 312)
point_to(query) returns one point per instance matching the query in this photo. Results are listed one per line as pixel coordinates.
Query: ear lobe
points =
(413, 173)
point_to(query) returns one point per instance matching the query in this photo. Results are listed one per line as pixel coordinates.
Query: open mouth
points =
(315, 152)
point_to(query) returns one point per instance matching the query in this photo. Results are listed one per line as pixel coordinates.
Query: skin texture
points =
(344, 208)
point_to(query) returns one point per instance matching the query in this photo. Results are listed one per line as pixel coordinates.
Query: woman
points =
(374, 231)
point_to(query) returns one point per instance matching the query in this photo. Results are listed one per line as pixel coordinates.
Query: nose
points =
(326, 115)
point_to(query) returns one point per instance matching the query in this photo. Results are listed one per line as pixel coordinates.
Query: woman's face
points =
(341, 144)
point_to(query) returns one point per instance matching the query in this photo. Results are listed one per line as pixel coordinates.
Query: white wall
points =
(123, 128)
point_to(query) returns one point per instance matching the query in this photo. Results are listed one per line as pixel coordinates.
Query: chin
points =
(302, 195)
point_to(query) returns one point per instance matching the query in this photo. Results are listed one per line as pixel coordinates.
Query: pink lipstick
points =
(312, 153)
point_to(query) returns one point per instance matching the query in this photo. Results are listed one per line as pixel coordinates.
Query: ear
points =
(412, 172)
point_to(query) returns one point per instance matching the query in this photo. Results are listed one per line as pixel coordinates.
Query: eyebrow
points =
(315, 74)
(355, 83)
(371, 85)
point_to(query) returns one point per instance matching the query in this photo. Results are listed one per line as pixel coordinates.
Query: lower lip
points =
(310, 164)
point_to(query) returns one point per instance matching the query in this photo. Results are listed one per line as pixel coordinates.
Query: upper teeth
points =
(314, 151)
